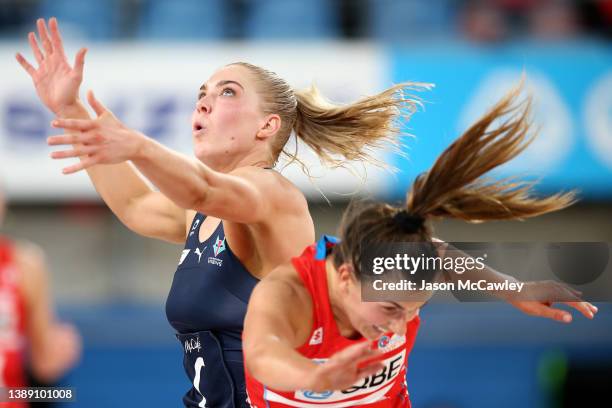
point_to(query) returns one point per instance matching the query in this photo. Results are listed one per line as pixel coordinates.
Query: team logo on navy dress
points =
(218, 247)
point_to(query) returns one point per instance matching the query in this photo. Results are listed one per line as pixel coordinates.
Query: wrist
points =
(71, 110)
(143, 147)
(316, 381)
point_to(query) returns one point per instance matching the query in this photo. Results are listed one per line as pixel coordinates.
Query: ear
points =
(346, 275)
(270, 127)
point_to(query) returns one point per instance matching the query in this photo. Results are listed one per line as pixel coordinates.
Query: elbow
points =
(57, 354)
(195, 199)
(129, 220)
(256, 359)
(48, 369)
(252, 360)
(44, 372)
(128, 213)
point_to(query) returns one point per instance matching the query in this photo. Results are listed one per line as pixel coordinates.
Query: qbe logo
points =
(372, 388)
(318, 395)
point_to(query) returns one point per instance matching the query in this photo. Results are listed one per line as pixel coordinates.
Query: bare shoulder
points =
(284, 283)
(274, 185)
(282, 296)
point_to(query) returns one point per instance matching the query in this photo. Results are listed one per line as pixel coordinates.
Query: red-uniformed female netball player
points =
(309, 340)
(242, 119)
(29, 333)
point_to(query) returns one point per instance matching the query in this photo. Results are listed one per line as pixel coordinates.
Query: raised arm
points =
(275, 326)
(243, 196)
(57, 84)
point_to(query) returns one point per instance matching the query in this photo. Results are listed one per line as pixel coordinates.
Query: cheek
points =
(376, 317)
(234, 112)
(367, 315)
(236, 124)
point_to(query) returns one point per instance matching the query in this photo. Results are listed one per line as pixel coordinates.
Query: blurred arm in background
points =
(54, 347)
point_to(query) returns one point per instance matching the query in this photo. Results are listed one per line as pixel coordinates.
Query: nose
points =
(203, 105)
(398, 326)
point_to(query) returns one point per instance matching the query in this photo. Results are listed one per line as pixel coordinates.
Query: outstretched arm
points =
(57, 84)
(242, 196)
(539, 307)
(272, 330)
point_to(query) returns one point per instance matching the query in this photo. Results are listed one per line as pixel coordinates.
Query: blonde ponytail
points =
(338, 133)
(454, 187)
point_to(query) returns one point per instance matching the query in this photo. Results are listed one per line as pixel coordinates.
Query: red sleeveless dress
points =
(386, 388)
(12, 322)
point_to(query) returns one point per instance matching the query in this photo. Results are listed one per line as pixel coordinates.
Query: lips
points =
(198, 128)
(375, 332)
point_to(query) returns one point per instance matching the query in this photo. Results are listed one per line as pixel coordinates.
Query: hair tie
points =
(408, 222)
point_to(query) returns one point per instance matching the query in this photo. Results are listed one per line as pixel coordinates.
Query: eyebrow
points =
(221, 83)
(402, 308)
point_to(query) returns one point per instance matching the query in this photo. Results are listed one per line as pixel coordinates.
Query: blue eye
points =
(226, 90)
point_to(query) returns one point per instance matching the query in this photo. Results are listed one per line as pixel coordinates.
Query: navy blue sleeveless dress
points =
(206, 305)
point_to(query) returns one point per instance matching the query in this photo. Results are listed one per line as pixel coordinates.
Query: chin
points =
(371, 334)
(203, 153)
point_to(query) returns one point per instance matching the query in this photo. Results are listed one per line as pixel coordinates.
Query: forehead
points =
(405, 305)
(411, 305)
(230, 73)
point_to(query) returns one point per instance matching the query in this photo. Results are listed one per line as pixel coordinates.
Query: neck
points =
(335, 300)
(227, 164)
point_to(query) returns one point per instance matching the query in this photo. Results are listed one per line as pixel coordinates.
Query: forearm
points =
(278, 366)
(474, 274)
(118, 184)
(184, 180)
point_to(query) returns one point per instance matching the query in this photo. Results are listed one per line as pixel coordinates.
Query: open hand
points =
(56, 82)
(345, 368)
(545, 294)
(103, 140)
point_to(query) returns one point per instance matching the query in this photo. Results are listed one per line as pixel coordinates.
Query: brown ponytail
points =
(454, 187)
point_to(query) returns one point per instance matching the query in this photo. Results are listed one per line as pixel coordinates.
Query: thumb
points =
(79, 61)
(95, 104)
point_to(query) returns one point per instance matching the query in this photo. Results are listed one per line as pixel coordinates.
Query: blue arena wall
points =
(572, 90)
